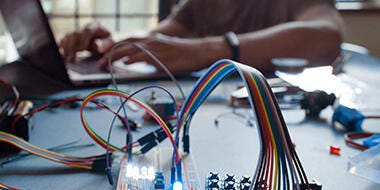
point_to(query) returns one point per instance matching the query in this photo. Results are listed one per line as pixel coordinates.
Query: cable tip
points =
(109, 176)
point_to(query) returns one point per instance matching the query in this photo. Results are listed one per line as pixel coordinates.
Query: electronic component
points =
(314, 102)
(142, 177)
(313, 185)
(177, 185)
(134, 125)
(350, 138)
(158, 168)
(372, 141)
(270, 123)
(151, 171)
(152, 139)
(159, 181)
(163, 106)
(15, 124)
(214, 181)
(334, 150)
(21, 130)
(349, 118)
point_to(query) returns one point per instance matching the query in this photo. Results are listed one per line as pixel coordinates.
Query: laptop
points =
(30, 30)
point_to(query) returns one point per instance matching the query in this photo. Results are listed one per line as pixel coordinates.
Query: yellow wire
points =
(256, 88)
(123, 95)
(29, 150)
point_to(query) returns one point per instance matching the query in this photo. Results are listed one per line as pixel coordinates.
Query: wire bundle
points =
(77, 162)
(116, 93)
(278, 164)
(124, 97)
(96, 163)
(61, 102)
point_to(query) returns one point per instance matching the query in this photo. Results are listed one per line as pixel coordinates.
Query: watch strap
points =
(233, 43)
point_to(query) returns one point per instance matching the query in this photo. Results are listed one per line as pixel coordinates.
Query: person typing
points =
(203, 31)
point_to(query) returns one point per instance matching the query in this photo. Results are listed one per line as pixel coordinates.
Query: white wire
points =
(150, 54)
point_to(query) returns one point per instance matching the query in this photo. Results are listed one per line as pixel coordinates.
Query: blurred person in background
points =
(200, 33)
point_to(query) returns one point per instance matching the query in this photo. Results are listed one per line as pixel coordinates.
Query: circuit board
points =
(152, 171)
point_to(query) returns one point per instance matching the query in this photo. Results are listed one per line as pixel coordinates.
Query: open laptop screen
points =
(34, 41)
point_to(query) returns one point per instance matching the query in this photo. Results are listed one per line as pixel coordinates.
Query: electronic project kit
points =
(278, 167)
(141, 165)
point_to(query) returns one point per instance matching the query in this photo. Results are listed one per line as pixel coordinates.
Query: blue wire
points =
(114, 83)
(283, 160)
(114, 119)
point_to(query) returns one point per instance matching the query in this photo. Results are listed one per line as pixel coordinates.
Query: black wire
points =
(299, 166)
(114, 119)
(283, 142)
(260, 170)
(158, 62)
(280, 143)
(283, 162)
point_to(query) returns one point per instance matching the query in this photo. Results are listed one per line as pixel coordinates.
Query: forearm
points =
(314, 41)
(315, 36)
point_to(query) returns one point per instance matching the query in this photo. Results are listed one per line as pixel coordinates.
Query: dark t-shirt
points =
(216, 17)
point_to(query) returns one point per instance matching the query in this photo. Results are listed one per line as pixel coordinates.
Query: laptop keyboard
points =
(86, 66)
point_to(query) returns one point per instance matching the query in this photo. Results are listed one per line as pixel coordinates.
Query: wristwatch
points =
(233, 42)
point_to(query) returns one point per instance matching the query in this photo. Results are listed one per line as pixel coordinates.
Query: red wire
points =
(58, 103)
(373, 117)
(41, 108)
(112, 93)
(269, 165)
(349, 137)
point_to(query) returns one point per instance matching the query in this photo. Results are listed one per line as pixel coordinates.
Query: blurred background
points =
(134, 17)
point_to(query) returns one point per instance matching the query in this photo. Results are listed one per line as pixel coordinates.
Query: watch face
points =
(290, 64)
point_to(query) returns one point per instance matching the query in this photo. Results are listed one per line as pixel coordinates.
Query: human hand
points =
(93, 37)
(179, 55)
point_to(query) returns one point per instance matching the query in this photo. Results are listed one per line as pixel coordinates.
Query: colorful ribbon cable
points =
(96, 163)
(85, 163)
(278, 164)
(102, 142)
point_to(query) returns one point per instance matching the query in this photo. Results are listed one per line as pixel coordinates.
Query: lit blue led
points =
(177, 185)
